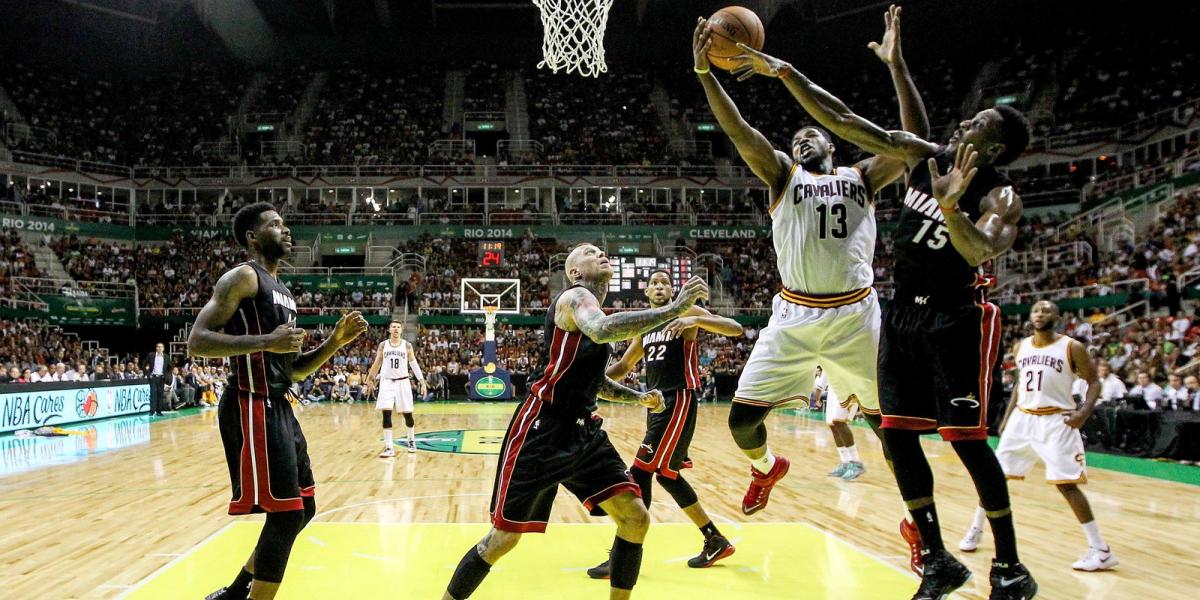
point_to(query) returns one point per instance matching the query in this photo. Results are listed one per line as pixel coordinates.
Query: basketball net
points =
(489, 322)
(573, 35)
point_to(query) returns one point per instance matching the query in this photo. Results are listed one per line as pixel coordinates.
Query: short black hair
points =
(248, 218)
(664, 272)
(824, 132)
(1014, 134)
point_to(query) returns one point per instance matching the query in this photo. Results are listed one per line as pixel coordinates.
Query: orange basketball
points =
(731, 25)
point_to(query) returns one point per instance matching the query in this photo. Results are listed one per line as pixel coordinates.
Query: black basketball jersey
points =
(264, 373)
(571, 370)
(927, 265)
(672, 362)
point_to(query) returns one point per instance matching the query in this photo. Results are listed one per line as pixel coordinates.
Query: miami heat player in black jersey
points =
(250, 320)
(938, 340)
(672, 367)
(556, 438)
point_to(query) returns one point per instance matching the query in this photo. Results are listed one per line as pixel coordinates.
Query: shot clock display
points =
(491, 254)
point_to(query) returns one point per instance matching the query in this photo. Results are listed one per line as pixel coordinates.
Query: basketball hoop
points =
(573, 35)
(489, 316)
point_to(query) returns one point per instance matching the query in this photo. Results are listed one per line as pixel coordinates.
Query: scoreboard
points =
(491, 254)
(631, 273)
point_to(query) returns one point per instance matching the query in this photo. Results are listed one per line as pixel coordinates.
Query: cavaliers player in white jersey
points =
(1043, 422)
(838, 416)
(823, 229)
(393, 360)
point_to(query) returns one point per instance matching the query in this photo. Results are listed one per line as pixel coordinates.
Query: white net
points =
(573, 35)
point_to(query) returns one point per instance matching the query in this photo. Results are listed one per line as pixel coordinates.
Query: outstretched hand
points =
(948, 188)
(888, 49)
(753, 62)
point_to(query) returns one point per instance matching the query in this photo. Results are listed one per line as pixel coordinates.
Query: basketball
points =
(731, 25)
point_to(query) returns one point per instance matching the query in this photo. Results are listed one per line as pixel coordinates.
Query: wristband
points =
(701, 71)
(949, 211)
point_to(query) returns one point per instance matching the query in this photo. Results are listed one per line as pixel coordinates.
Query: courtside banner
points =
(32, 405)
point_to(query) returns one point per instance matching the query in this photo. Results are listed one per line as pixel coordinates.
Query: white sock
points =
(764, 464)
(980, 516)
(1092, 530)
(843, 454)
(852, 452)
(412, 436)
(387, 438)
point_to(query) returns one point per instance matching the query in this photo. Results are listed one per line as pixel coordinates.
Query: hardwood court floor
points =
(81, 522)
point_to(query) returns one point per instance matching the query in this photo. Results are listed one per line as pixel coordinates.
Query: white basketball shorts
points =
(843, 340)
(1028, 437)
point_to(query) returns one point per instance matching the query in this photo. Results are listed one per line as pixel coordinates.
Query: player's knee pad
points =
(387, 419)
(471, 571)
(408, 419)
(985, 471)
(625, 562)
(679, 489)
(275, 544)
(645, 481)
(746, 425)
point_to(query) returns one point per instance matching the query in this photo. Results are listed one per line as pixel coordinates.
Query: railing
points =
(282, 148)
(80, 166)
(1061, 255)
(519, 218)
(668, 218)
(591, 218)
(1096, 289)
(321, 218)
(179, 219)
(516, 147)
(452, 147)
(68, 287)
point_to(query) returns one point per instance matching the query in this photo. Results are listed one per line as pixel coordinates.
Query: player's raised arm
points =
(700, 318)
(578, 310)
(831, 112)
(634, 353)
(1081, 365)
(996, 230)
(349, 327)
(206, 339)
(769, 165)
(880, 171)
(913, 117)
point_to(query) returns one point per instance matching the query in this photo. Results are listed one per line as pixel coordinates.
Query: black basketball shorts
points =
(935, 367)
(266, 453)
(542, 450)
(664, 450)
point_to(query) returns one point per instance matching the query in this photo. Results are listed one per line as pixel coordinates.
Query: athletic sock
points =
(387, 438)
(765, 464)
(842, 454)
(852, 453)
(240, 588)
(1092, 530)
(1005, 536)
(980, 515)
(926, 520)
(709, 530)
(412, 435)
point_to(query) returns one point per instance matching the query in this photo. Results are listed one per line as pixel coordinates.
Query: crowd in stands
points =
(156, 120)
(16, 260)
(485, 87)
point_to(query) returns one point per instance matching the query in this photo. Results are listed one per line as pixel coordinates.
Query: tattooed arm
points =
(578, 310)
(615, 392)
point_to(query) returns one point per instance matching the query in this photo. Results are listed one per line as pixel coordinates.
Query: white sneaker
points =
(971, 541)
(412, 447)
(1096, 560)
(387, 453)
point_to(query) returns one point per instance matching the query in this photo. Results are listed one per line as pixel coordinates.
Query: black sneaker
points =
(221, 594)
(1012, 582)
(600, 571)
(943, 574)
(715, 548)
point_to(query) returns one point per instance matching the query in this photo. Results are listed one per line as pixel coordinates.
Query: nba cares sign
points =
(31, 405)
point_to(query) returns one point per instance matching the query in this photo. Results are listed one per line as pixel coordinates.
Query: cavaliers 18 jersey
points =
(265, 373)
(672, 362)
(927, 264)
(1046, 378)
(571, 370)
(823, 228)
(395, 360)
